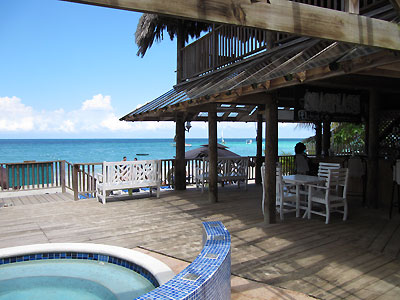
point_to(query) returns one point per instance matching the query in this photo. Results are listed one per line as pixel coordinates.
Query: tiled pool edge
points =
(152, 269)
(83, 256)
(208, 276)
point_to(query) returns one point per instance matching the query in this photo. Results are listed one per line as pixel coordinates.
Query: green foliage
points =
(350, 135)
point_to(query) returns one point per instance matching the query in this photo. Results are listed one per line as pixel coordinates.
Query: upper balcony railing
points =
(228, 44)
(224, 45)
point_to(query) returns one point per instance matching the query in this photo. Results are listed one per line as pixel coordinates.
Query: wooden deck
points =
(357, 259)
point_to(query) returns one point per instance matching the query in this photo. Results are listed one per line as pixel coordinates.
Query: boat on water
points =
(222, 137)
(186, 145)
(249, 141)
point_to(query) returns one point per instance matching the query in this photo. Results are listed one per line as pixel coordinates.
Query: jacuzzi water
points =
(61, 279)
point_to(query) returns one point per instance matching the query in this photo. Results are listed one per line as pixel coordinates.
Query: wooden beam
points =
(352, 6)
(259, 148)
(380, 73)
(318, 139)
(180, 168)
(391, 66)
(396, 5)
(271, 156)
(373, 146)
(212, 155)
(314, 76)
(276, 15)
(326, 138)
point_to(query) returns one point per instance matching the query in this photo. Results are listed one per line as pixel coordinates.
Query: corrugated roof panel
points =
(307, 54)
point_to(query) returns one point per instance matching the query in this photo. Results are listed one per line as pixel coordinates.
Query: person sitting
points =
(301, 160)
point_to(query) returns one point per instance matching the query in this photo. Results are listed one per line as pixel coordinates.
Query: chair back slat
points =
(338, 177)
(323, 168)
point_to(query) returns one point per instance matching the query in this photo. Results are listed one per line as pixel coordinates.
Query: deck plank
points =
(352, 260)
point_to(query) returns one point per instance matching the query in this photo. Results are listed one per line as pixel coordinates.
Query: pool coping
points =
(161, 272)
(207, 277)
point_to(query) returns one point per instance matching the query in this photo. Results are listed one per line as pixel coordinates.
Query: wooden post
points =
(318, 138)
(271, 155)
(212, 155)
(259, 149)
(326, 139)
(75, 187)
(373, 144)
(180, 167)
(180, 44)
(352, 6)
(62, 176)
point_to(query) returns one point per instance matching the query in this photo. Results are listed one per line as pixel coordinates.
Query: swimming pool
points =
(78, 271)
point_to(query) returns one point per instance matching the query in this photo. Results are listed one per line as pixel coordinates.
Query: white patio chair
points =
(285, 201)
(330, 195)
(324, 167)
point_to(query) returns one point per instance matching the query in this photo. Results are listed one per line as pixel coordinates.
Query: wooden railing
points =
(222, 46)
(80, 178)
(227, 44)
(83, 179)
(32, 175)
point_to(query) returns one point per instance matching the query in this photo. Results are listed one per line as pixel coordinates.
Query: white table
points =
(299, 180)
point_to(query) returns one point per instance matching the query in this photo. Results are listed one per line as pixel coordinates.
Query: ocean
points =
(99, 150)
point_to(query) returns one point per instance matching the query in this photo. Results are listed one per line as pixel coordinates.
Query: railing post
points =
(62, 176)
(214, 49)
(75, 175)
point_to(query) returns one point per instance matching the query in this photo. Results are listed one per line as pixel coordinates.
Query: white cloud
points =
(95, 115)
(67, 126)
(113, 123)
(15, 115)
(98, 102)
(139, 105)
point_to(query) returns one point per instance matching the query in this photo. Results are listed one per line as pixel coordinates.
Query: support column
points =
(180, 164)
(180, 44)
(259, 148)
(326, 142)
(212, 154)
(318, 138)
(373, 145)
(271, 155)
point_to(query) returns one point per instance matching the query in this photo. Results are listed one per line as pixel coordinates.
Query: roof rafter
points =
(318, 73)
(277, 15)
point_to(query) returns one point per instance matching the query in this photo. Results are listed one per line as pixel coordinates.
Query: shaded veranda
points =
(357, 259)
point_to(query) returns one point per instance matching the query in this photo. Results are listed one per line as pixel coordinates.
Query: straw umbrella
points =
(151, 27)
(201, 152)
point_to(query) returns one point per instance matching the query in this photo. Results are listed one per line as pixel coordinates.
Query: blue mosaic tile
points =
(208, 277)
(88, 256)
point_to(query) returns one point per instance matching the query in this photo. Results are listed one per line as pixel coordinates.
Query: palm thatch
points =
(151, 27)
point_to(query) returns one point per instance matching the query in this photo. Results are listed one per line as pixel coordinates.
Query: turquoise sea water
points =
(99, 150)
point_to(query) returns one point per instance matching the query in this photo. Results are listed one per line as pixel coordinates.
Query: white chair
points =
(324, 167)
(330, 195)
(285, 201)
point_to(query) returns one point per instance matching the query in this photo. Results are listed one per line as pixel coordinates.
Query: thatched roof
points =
(151, 27)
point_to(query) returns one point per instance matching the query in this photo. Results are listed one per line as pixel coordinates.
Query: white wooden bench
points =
(229, 169)
(123, 175)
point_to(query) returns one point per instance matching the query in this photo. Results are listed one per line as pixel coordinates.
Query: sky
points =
(70, 70)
